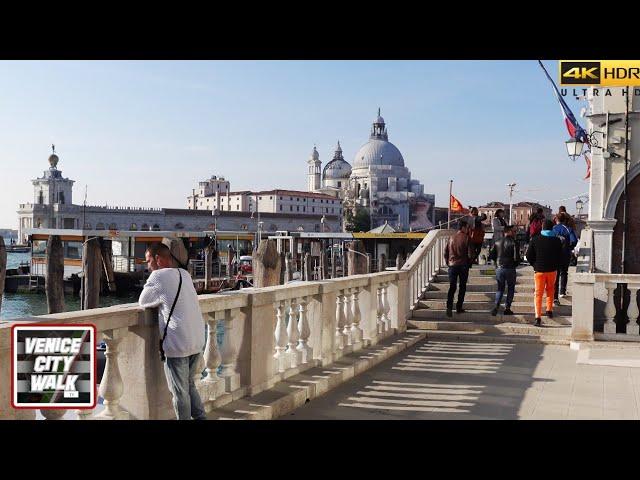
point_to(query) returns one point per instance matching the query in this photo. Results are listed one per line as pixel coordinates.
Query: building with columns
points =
(606, 121)
(377, 180)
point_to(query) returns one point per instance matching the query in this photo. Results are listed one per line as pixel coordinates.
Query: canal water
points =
(17, 305)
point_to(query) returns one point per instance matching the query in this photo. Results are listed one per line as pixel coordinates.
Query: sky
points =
(143, 133)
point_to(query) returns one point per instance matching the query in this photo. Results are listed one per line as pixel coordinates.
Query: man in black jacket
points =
(506, 253)
(545, 255)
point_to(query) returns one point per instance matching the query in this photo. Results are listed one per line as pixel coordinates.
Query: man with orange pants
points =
(545, 255)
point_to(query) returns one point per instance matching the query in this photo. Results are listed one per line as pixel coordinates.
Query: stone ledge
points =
(295, 391)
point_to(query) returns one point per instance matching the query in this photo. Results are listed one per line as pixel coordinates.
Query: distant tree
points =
(361, 221)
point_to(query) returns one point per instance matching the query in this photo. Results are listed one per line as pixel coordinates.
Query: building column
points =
(603, 243)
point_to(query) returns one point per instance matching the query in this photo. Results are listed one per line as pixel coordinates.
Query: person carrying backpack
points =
(476, 233)
(569, 241)
(544, 254)
(506, 253)
(535, 224)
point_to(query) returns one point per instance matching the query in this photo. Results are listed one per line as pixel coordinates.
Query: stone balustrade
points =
(254, 337)
(605, 301)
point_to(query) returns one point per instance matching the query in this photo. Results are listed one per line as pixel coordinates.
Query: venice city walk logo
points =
(54, 366)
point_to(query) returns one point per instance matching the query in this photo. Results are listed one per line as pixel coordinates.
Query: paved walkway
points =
(442, 379)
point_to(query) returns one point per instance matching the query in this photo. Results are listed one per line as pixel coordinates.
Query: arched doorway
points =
(632, 249)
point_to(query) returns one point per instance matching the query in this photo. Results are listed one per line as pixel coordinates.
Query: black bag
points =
(162, 356)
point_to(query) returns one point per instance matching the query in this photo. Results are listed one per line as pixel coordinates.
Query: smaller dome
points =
(379, 119)
(338, 168)
(53, 160)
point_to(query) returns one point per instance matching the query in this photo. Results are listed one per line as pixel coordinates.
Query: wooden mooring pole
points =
(266, 270)
(91, 267)
(107, 264)
(3, 268)
(54, 281)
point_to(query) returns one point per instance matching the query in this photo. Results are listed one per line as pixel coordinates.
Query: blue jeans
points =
(186, 399)
(505, 276)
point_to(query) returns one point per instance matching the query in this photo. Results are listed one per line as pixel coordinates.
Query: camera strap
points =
(166, 326)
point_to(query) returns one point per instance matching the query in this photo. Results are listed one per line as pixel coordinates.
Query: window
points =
(297, 208)
(270, 197)
(280, 207)
(313, 209)
(259, 198)
(280, 198)
(73, 250)
(339, 184)
(40, 198)
(290, 198)
(178, 226)
(238, 207)
(100, 226)
(145, 227)
(244, 226)
(304, 209)
(113, 226)
(87, 226)
(155, 227)
(291, 208)
(62, 197)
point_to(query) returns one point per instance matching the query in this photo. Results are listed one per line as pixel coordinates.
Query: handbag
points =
(166, 325)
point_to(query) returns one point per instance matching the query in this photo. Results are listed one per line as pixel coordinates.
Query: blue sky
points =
(142, 133)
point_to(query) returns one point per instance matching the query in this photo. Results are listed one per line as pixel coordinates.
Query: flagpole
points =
(449, 213)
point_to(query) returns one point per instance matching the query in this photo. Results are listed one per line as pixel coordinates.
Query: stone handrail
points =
(425, 262)
(594, 300)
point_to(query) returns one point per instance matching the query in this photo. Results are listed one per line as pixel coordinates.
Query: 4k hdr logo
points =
(601, 72)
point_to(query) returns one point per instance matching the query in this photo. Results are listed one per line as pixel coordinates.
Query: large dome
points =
(378, 152)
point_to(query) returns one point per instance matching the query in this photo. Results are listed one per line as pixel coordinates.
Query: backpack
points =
(569, 241)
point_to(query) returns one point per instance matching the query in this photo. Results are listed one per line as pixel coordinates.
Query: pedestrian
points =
(569, 241)
(498, 224)
(535, 223)
(571, 223)
(544, 254)
(506, 253)
(476, 233)
(458, 253)
(182, 330)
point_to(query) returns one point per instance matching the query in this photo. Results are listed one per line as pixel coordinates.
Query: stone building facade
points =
(52, 207)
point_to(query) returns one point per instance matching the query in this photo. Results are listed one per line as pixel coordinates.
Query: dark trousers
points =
(562, 277)
(477, 248)
(505, 276)
(456, 272)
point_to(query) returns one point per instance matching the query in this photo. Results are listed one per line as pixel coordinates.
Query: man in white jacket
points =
(185, 337)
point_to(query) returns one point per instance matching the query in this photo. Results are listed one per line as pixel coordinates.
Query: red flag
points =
(588, 160)
(456, 206)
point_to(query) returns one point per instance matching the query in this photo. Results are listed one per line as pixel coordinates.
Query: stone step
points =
(517, 306)
(488, 296)
(486, 287)
(549, 327)
(480, 337)
(490, 272)
(484, 280)
(484, 316)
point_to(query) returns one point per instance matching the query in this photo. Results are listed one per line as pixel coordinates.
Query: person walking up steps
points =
(458, 253)
(545, 255)
(506, 253)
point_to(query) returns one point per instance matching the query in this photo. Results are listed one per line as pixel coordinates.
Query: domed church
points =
(377, 180)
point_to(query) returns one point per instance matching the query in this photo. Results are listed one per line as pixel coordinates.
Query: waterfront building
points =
(52, 207)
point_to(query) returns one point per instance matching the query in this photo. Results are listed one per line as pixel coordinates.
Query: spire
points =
(53, 158)
(378, 111)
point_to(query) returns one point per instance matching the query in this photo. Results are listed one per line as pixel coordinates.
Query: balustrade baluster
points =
(306, 352)
(348, 319)
(610, 309)
(339, 340)
(212, 356)
(632, 310)
(229, 353)
(111, 386)
(356, 331)
(379, 311)
(386, 307)
(281, 339)
(294, 334)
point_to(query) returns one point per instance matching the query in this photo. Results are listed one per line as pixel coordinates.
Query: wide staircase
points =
(477, 323)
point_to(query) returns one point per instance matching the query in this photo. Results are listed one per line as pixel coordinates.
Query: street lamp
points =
(579, 206)
(575, 146)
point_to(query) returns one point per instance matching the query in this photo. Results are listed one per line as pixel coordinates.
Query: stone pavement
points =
(442, 379)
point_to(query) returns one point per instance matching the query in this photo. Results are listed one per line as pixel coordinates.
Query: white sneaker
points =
(562, 295)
